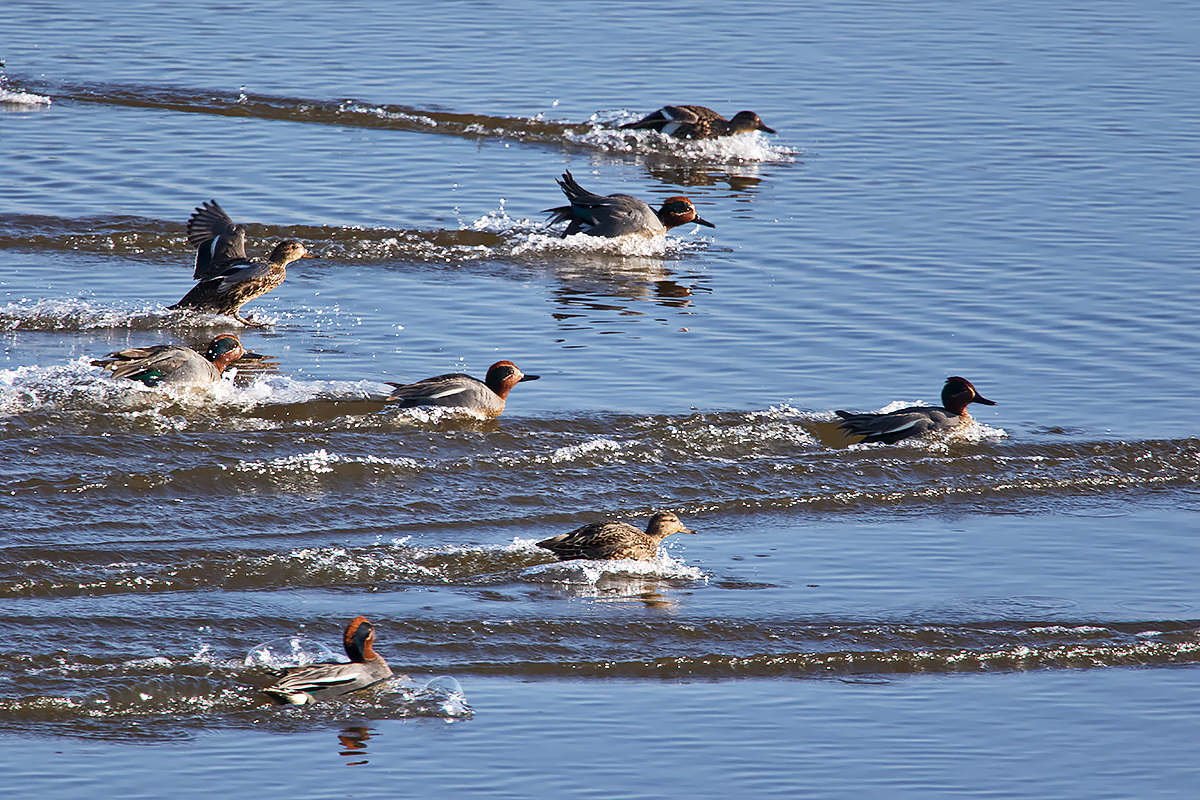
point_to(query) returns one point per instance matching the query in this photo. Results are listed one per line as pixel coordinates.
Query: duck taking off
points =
(228, 279)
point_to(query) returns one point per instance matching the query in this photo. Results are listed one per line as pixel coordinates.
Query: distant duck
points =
(893, 426)
(227, 278)
(617, 215)
(614, 540)
(175, 365)
(457, 390)
(698, 122)
(307, 684)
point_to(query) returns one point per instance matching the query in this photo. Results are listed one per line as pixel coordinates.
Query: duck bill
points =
(765, 129)
(252, 356)
(686, 530)
(309, 255)
(529, 378)
(702, 221)
(984, 400)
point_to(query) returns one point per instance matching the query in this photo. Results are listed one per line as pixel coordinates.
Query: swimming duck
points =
(462, 391)
(228, 279)
(619, 214)
(698, 122)
(307, 684)
(175, 365)
(893, 426)
(613, 540)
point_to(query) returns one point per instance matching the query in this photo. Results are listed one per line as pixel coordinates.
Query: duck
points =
(698, 122)
(174, 364)
(307, 684)
(619, 215)
(612, 540)
(904, 423)
(227, 278)
(457, 390)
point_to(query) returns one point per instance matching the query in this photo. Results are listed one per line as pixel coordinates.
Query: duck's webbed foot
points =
(250, 323)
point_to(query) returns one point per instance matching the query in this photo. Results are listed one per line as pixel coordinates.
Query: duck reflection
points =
(353, 742)
(651, 592)
(611, 286)
(743, 179)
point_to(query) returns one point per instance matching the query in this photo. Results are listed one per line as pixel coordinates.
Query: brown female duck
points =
(227, 278)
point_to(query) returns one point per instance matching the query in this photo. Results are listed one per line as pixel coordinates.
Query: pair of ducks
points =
(177, 365)
(603, 540)
(228, 278)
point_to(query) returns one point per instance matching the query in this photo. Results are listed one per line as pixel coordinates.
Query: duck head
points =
(745, 121)
(288, 251)
(677, 211)
(664, 523)
(958, 393)
(224, 350)
(359, 639)
(504, 375)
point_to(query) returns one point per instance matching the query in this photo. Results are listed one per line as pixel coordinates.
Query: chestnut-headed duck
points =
(619, 215)
(457, 390)
(313, 682)
(174, 364)
(893, 426)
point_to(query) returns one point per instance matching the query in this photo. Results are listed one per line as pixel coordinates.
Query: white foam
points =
(79, 386)
(290, 651)
(16, 97)
(592, 571)
(746, 148)
(317, 462)
(354, 107)
(526, 236)
(78, 314)
(576, 451)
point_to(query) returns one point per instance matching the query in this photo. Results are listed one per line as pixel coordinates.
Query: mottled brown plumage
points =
(698, 122)
(228, 279)
(613, 540)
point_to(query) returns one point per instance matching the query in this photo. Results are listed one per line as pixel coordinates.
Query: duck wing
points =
(441, 390)
(892, 427)
(600, 540)
(320, 681)
(222, 283)
(657, 120)
(218, 240)
(153, 365)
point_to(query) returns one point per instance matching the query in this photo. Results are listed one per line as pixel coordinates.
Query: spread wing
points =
(219, 242)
